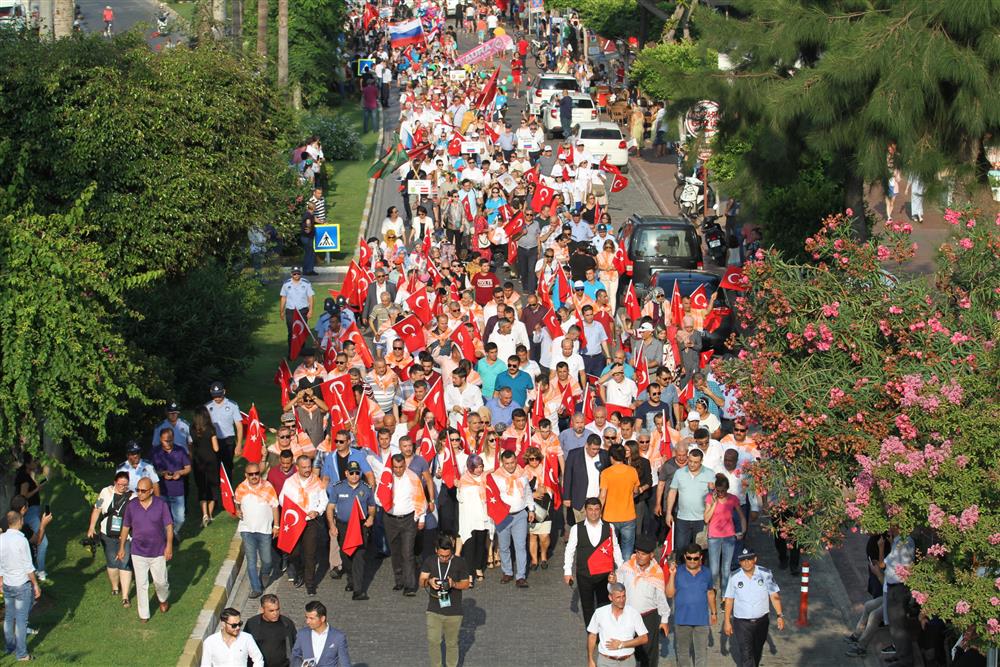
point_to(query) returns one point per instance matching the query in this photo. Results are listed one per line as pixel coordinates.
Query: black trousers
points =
(474, 550)
(749, 635)
(354, 565)
(648, 655)
(897, 597)
(290, 318)
(227, 450)
(401, 531)
(526, 260)
(304, 553)
(593, 594)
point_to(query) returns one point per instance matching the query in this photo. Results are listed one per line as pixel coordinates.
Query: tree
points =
(262, 10)
(282, 44)
(65, 366)
(62, 22)
(877, 401)
(846, 79)
(612, 19)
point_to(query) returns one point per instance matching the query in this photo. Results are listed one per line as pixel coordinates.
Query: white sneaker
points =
(31, 631)
(41, 575)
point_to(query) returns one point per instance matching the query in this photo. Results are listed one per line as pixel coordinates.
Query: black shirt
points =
(23, 476)
(579, 263)
(456, 570)
(275, 640)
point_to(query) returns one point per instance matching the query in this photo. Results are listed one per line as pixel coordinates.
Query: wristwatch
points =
(781, 615)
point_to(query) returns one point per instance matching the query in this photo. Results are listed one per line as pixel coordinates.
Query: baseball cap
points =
(602, 228)
(217, 389)
(288, 417)
(353, 466)
(746, 553)
(645, 327)
(693, 416)
(578, 284)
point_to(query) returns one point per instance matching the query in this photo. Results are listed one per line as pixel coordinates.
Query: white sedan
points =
(584, 111)
(603, 139)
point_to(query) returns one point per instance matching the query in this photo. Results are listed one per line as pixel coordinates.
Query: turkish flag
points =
(468, 209)
(462, 337)
(705, 357)
(579, 325)
(604, 318)
(364, 252)
(566, 154)
(300, 334)
(668, 549)
(699, 298)
(602, 561)
(419, 304)
(491, 133)
(253, 451)
(226, 490)
(340, 416)
(435, 403)
(551, 321)
(552, 478)
(368, 15)
(603, 165)
(686, 395)
(734, 279)
(364, 429)
(632, 307)
(449, 467)
(495, 506)
(353, 334)
(383, 489)
(353, 538)
(562, 280)
(511, 252)
(537, 409)
(666, 443)
(623, 410)
(542, 197)
(455, 145)
(621, 261)
(340, 388)
(531, 176)
(712, 321)
(484, 99)
(619, 183)
(567, 397)
(411, 332)
(675, 349)
(356, 281)
(588, 403)
(425, 445)
(642, 373)
(514, 226)
(293, 524)
(676, 309)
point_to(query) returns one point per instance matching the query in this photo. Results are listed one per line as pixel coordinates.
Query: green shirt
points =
(489, 374)
(691, 490)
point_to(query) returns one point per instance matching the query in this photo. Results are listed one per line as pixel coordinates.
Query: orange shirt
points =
(619, 481)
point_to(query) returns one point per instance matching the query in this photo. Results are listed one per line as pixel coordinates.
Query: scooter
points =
(689, 196)
(163, 23)
(715, 239)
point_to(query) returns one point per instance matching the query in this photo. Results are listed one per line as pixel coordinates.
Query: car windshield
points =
(583, 103)
(665, 242)
(601, 133)
(688, 283)
(559, 84)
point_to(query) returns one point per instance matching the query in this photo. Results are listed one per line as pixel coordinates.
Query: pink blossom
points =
(961, 460)
(969, 518)
(966, 243)
(952, 216)
(958, 338)
(895, 310)
(995, 539)
(938, 550)
(964, 302)
(995, 601)
(971, 223)
(993, 625)
(882, 253)
(952, 392)
(906, 429)
(850, 211)
(902, 571)
(935, 517)
(921, 598)
(996, 582)
(962, 607)
(831, 309)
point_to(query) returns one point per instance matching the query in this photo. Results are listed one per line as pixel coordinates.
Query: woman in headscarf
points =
(474, 523)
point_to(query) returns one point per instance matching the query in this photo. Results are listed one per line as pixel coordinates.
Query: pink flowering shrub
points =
(877, 397)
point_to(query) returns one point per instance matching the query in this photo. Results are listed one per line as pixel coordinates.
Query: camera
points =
(91, 543)
(443, 585)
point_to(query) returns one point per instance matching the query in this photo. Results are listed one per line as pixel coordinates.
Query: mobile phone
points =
(47, 510)
(42, 480)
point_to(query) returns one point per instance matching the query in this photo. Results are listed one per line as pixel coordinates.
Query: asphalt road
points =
(128, 14)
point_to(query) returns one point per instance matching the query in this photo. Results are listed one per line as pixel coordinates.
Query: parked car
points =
(661, 243)
(603, 139)
(687, 283)
(543, 86)
(584, 111)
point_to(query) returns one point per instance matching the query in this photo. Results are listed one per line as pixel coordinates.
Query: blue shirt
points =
(691, 492)
(519, 385)
(751, 594)
(489, 374)
(590, 288)
(595, 335)
(342, 497)
(182, 433)
(329, 467)
(144, 469)
(500, 414)
(691, 598)
(225, 416)
(581, 231)
(296, 294)
(569, 440)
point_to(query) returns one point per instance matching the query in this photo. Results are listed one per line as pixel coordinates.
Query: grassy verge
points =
(348, 190)
(185, 10)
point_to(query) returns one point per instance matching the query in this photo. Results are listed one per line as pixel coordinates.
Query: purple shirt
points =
(176, 460)
(369, 94)
(148, 527)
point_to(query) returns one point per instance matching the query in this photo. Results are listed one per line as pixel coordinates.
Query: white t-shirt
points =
(627, 626)
(621, 393)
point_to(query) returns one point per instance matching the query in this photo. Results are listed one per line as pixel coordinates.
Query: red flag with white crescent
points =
(713, 320)
(364, 428)
(226, 491)
(384, 487)
(588, 403)
(353, 334)
(632, 307)
(619, 183)
(425, 444)
(300, 334)
(565, 290)
(253, 451)
(699, 298)
(705, 357)
(462, 337)
(552, 478)
(411, 332)
(420, 305)
(449, 467)
(495, 505)
(686, 395)
(364, 252)
(604, 165)
(293, 524)
(641, 373)
(734, 279)
(676, 308)
(567, 397)
(543, 197)
(602, 560)
(551, 321)
(435, 403)
(341, 388)
(537, 409)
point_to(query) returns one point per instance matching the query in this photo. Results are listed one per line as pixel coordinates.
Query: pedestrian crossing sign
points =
(327, 238)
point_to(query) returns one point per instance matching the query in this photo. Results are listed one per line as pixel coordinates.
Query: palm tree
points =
(62, 22)
(282, 44)
(262, 10)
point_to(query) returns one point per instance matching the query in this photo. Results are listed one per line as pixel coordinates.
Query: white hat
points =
(693, 416)
(645, 327)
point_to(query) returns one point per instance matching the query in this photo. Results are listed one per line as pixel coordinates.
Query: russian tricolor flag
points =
(405, 33)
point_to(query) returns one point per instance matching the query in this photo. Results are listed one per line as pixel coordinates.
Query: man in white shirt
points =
(582, 552)
(645, 590)
(619, 390)
(514, 491)
(402, 521)
(615, 631)
(307, 491)
(461, 397)
(568, 354)
(600, 423)
(319, 644)
(712, 449)
(20, 586)
(504, 338)
(230, 647)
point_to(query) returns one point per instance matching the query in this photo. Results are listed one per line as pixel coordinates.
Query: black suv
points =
(661, 243)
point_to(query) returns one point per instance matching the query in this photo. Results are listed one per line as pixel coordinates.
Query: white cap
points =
(645, 327)
(693, 416)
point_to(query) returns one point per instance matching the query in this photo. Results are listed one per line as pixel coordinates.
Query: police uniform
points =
(343, 498)
(751, 595)
(297, 295)
(225, 416)
(143, 469)
(182, 434)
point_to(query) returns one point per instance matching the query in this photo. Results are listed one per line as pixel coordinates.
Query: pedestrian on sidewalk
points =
(344, 495)
(330, 642)
(695, 614)
(615, 631)
(747, 598)
(369, 106)
(230, 647)
(20, 586)
(257, 510)
(273, 633)
(644, 585)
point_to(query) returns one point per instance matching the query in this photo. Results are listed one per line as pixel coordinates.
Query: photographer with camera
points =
(445, 576)
(106, 524)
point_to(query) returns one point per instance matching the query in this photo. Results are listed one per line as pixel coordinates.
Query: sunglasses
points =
(692, 558)
(143, 490)
(342, 442)
(353, 472)
(238, 624)
(397, 348)
(739, 430)
(284, 437)
(253, 474)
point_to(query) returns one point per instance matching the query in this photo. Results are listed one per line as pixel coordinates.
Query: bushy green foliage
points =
(613, 19)
(687, 57)
(188, 148)
(340, 139)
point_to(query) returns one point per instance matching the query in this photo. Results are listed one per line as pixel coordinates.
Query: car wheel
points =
(624, 168)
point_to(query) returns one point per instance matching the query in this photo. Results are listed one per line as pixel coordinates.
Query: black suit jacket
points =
(575, 477)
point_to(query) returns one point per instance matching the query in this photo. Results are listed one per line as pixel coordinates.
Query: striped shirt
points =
(320, 204)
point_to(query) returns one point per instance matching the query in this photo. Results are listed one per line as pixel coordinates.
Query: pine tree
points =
(847, 78)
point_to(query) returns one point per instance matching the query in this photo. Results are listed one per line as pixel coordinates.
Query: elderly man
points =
(148, 522)
(615, 631)
(689, 340)
(502, 407)
(644, 583)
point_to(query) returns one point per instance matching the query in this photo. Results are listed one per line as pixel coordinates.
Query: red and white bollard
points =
(804, 597)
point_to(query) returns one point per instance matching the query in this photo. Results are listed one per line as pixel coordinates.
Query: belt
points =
(891, 585)
(617, 659)
(400, 516)
(647, 613)
(752, 620)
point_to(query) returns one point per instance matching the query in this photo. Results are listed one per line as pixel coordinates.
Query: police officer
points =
(344, 496)
(747, 599)
(182, 430)
(296, 301)
(138, 467)
(331, 314)
(347, 317)
(228, 425)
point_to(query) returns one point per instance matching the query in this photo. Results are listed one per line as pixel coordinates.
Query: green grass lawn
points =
(348, 190)
(185, 10)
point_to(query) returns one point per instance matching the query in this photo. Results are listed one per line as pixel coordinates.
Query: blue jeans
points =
(514, 527)
(720, 556)
(684, 533)
(176, 505)
(257, 545)
(15, 623)
(625, 530)
(34, 520)
(369, 119)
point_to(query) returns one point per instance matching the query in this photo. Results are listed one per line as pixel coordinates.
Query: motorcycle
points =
(689, 195)
(163, 23)
(715, 239)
